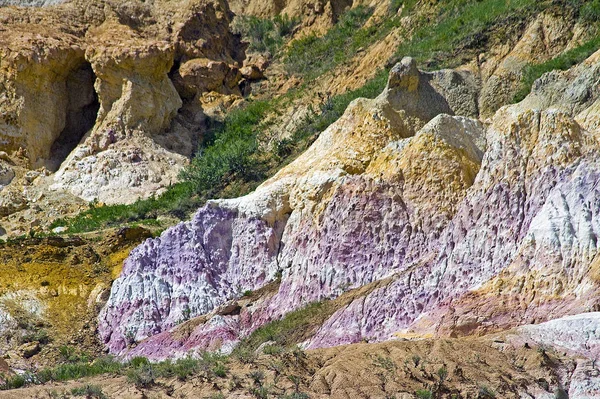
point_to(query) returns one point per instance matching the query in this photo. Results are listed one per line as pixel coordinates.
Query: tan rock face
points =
(92, 96)
(546, 36)
(34, 93)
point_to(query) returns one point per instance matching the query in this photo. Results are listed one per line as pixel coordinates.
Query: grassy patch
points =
(590, 12)
(460, 29)
(294, 327)
(313, 55)
(461, 25)
(177, 200)
(139, 370)
(265, 35)
(563, 62)
(89, 391)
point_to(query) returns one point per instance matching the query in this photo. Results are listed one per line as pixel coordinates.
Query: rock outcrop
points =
(291, 224)
(434, 224)
(92, 95)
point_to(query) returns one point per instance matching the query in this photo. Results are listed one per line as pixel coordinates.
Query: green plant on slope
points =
(312, 55)
(89, 391)
(590, 12)
(287, 331)
(461, 29)
(265, 35)
(424, 394)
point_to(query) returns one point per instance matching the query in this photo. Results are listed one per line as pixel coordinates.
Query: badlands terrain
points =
(300, 199)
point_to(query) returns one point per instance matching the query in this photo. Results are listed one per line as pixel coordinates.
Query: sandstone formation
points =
(431, 228)
(441, 213)
(92, 96)
(245, 242)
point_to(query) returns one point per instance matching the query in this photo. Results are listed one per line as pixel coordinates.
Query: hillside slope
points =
(469, 228)
(438, 238)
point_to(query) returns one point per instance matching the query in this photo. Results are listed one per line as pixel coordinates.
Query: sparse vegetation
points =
(460, 29)
(89, 391)
(265, 35)
(442, 373)
(590, 12)
(564, 61)
(486, 392)
(313, 55)
(139, 370)
(70, 354)
(424, 394)
(287, 331)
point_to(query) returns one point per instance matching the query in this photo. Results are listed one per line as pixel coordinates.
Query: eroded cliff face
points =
(294, 223)
(90, 93)
(455, 227)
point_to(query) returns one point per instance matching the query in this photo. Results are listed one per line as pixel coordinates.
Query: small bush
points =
(424, 394)
(416, 360)
(485, 392)
(245, 355)
(14, 382)
(139, 361)
(442, 373)
(89, 391)
(142, 377)
(257, 376)
(72, 355)
(272, 349)
(385, 363)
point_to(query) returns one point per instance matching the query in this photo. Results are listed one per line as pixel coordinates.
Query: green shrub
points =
(139, 361)
(257, 376)
(442, 373)
(424, 394)
(272, 349)
(485, 392)
(72, 355)
(14, 382)
(265, 35)
(89, 391)
(230, 152)
(142, 377)
(590, 12)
